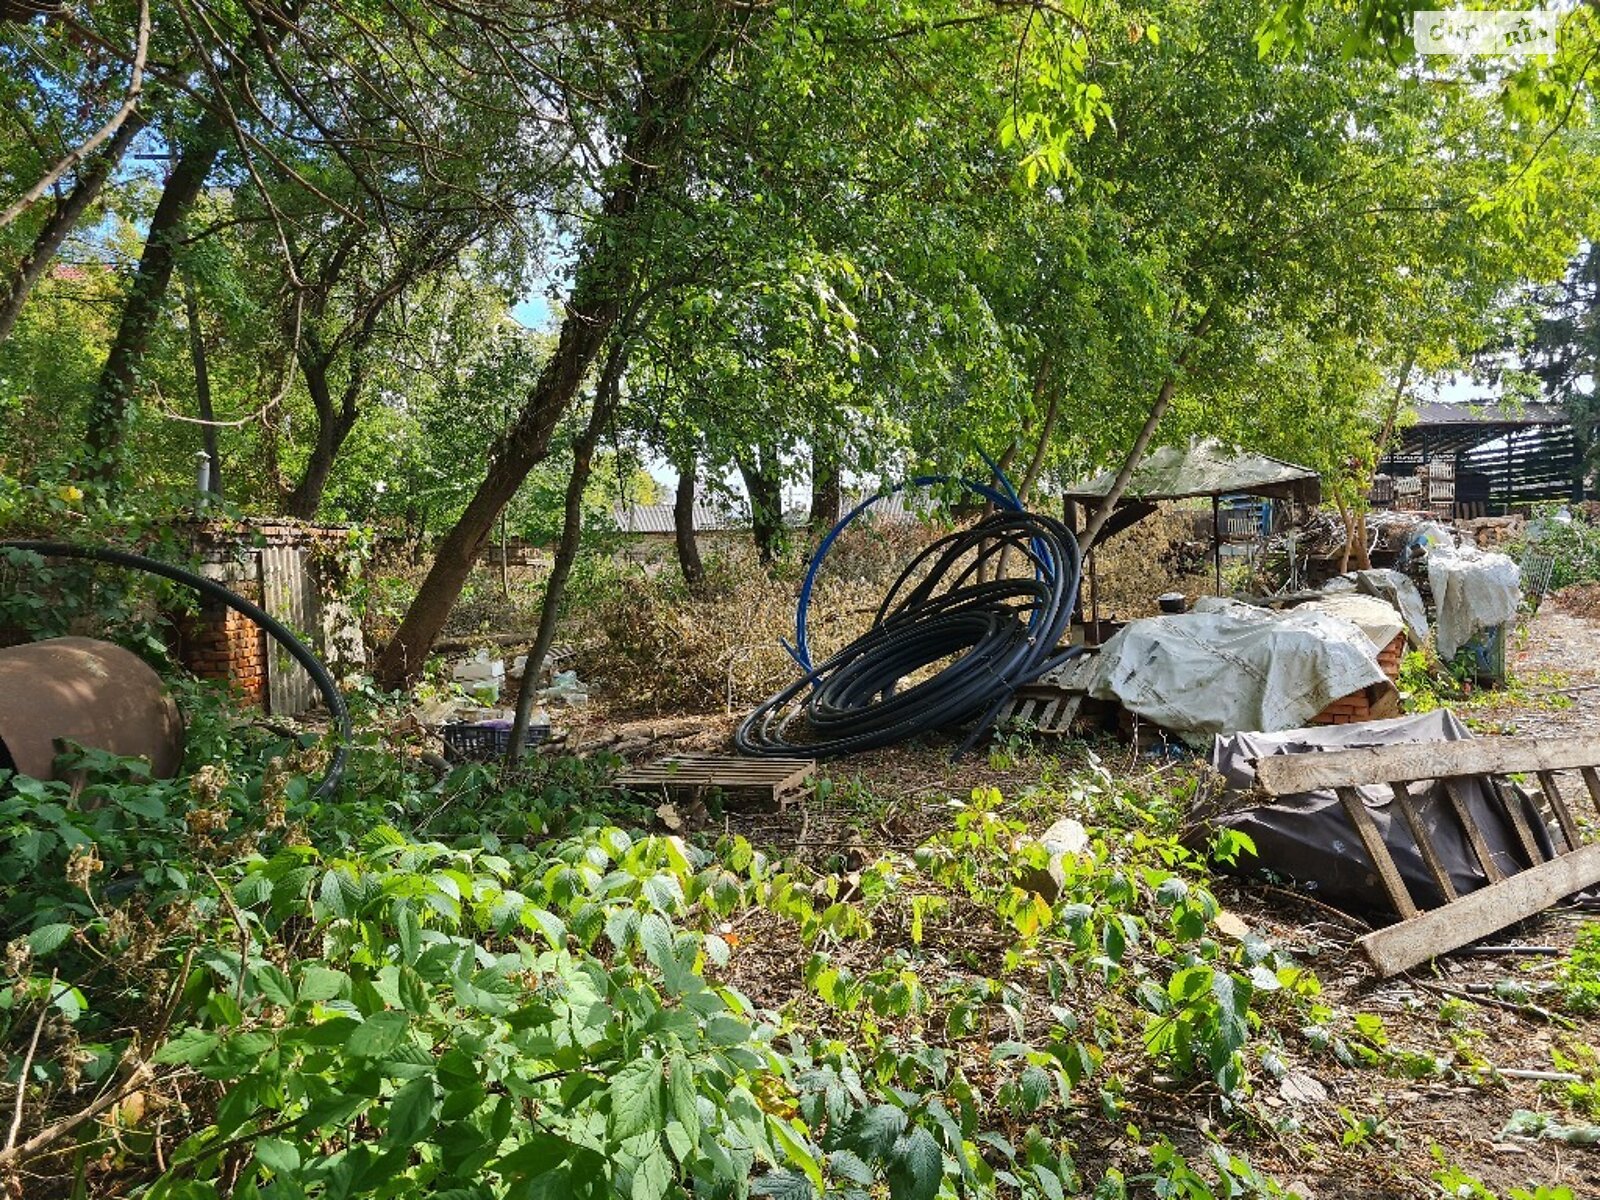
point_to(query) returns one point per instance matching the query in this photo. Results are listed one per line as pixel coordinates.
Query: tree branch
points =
(129, 103)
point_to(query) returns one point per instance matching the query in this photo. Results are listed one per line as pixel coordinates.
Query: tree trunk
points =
(826, 497)
(605, 281)
(765, 486)
(1141, 443)
(62, 220)
(334, 423)
(1041, 383)
(683, 531)
(112, 406)
(1041, 377)
(1356, 519)
(567, 549)
(202, 388)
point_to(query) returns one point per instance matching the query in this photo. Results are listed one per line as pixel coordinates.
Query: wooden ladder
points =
(1420, 935)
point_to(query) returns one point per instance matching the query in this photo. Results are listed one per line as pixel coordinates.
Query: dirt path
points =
(1557, 650)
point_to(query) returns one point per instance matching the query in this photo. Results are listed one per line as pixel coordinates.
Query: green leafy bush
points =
(1572, 546)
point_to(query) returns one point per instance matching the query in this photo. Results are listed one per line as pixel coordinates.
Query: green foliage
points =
(1458, 1183)
(50, 598)
(1573, 547)
(1580, 973)
(449, 983)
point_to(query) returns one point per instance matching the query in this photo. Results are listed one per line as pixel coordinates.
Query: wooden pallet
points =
(1051, 702)
(765, 782)
(1419, 936)
(1047, 709)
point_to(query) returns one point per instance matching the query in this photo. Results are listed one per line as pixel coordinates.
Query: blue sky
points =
(534, 312)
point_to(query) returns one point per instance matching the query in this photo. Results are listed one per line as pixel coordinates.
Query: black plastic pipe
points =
(209, 587)
(992, 637)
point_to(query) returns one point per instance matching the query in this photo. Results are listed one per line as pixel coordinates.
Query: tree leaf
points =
(680, 1088)
(409, 931)
(653, 1176)
(916, 1166)
(877, 1129)
(322, 983)
(637, 1101)
(379, 1035)
(278, 1156)
(273, 984)
(782, 1185)
(191, 1046)
(410, 1113)
(848, 1165)
(47, 939)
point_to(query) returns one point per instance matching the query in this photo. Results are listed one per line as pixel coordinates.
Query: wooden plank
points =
(1067, 715)
(1289, 774)
(689, 774)
(1419, 833)
(1511, 805)
(1480, 913)
(1591, 780)
(1458, 802)
(1377, 852)
(1558, 805)
(771, 777)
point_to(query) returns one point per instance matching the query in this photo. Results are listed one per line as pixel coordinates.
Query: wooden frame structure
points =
(1418, 935)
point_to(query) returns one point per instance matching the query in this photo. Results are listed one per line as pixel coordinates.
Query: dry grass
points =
(1581, 600)
(651, 646)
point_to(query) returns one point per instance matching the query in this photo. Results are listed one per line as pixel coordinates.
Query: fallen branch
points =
(1525, 1010)
(50, 1134)
(27, 1065)
(1541, 1076)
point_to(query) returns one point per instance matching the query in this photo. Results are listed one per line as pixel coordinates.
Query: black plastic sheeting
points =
(1308, 840)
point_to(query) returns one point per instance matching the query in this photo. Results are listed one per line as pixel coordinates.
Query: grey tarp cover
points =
(1393, 587)
(1206, 469)
(1228, 666)
(1309, 839)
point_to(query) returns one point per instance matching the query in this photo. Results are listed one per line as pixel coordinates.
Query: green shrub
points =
(1572, 546)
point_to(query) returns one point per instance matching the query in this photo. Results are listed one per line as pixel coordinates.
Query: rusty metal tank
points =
(90, 692)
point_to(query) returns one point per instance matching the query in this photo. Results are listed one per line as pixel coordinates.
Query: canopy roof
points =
(1207, 469)
(1442, 429)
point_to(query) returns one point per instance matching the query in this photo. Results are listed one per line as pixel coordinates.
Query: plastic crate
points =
(484, 740)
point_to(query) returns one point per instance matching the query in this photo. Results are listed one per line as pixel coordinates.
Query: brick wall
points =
(1372, 703)
(218, 643)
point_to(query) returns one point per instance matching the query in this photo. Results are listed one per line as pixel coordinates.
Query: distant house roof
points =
(712, 518)
(894, 507)
(1206, 469)
(1487, 412)
(658, 518)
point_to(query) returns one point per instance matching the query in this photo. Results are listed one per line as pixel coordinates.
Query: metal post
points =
(1216, 538)
(202, 480)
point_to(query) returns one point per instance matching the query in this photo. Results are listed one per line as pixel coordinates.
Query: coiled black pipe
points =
(331, 695)
(998, 634)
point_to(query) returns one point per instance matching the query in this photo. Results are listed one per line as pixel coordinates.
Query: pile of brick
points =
(1370, 703)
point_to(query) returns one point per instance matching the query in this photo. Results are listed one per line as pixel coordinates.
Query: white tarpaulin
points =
(1229, 666)
(1473, 590)
(1378, 619)
(1393, 587)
